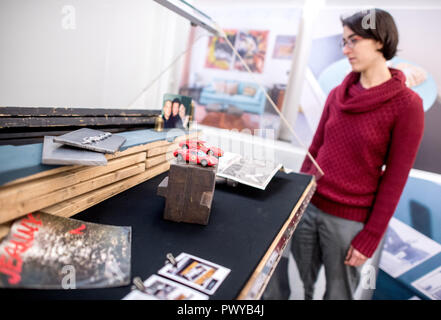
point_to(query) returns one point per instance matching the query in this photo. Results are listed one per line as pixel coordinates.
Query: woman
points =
(371, 119)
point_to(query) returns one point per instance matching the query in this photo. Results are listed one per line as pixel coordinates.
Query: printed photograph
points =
(176, 111)
(405, 248)
(159, 288)
(196, 273)
(430, 284)
(252, 172)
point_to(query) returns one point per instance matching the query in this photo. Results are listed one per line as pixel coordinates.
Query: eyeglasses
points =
(351, 42)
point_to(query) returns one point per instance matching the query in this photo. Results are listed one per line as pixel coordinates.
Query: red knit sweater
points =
(361, 130)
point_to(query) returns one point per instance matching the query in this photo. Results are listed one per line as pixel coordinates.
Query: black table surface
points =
(243, 223)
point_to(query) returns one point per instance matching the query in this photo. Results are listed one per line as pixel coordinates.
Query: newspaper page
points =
(405, 248)
(430, 284)
(252, 172)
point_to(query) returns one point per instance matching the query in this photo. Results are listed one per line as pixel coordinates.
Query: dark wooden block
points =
(189, 191)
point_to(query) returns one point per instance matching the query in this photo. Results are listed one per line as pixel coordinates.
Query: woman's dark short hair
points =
(375, 24)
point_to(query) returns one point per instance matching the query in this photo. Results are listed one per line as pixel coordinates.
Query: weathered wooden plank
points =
(48, 199)
(163, 149)
(24, 191)
(4, 229)
(37, 122)
(73, 206)
(153, 161)
(8, 134)
(40, 175)
(74, 112)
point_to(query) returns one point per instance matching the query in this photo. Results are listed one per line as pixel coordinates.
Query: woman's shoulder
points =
(409, 106)
(410, 100)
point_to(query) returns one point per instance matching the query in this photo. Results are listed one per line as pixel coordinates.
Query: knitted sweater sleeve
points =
(317, 140)
(405, 139)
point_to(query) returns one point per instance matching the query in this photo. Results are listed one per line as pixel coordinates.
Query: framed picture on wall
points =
(251, 46)
(284, 47)
(220, 55)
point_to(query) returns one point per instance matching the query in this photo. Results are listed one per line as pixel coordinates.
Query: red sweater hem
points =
(340, 210)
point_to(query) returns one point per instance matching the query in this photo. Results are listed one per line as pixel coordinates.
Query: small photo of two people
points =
(176, 110)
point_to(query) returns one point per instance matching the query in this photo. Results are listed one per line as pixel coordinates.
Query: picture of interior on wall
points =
(251, 46)
(284, 47)
(220, 55)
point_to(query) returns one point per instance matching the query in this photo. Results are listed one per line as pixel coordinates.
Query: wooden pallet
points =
(67, 190)
(73, 206)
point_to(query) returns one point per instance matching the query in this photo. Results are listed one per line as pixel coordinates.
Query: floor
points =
(295, 284)
(251, 123)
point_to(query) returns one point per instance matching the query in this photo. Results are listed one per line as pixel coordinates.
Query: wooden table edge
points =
(279, 239)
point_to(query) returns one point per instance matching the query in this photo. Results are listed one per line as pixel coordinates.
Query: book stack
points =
(69, 189)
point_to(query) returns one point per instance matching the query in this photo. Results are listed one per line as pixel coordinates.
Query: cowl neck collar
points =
(352, 99)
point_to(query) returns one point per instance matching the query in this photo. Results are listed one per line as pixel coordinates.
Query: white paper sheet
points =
(197, 273)
(430, 284)
(159, 288)
(405, 248)
(255, 173)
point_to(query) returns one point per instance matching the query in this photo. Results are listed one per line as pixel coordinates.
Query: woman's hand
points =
(355, 258)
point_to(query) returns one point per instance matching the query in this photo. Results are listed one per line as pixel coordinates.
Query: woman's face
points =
(182, 111)
(167, 108)
(362, 53)
(175, 108)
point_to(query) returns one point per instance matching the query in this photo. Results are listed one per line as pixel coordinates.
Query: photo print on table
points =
(176, 111)
(159, 288)
(196, 273)
(252, 172)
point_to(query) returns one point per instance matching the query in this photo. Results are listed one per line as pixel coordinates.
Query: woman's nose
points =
(346, 50)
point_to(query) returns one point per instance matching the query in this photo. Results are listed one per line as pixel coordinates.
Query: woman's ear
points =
(379, 45)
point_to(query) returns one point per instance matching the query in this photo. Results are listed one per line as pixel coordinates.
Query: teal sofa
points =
(253, 104)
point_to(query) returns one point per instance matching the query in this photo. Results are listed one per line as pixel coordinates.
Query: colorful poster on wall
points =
(220, 55)
(251, 46)
(43, 251)
(284, 47)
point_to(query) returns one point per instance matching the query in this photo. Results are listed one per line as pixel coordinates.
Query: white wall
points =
(278, 20)
(116, 48)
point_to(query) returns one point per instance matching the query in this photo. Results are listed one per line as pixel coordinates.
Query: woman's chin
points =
(355, 67)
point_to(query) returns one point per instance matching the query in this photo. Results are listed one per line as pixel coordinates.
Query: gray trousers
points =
(324, 239)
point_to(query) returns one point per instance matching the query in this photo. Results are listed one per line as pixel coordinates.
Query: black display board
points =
(244, 222)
